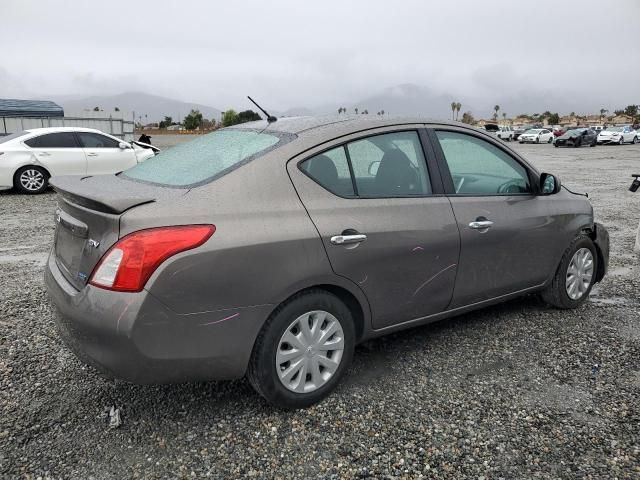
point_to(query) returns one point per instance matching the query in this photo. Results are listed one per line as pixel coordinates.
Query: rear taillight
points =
(128, 264)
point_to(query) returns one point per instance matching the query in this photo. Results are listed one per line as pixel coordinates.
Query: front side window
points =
(205, 158)
(387, 165)
(479, 168)
(95, 140)
(53, 140)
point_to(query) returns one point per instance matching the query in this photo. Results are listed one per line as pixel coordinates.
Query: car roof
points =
(62, 129)
(339, 124)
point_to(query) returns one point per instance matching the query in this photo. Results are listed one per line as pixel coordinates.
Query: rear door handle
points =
(92, 154)
(481, 224)
(347, 239)
(44, 154)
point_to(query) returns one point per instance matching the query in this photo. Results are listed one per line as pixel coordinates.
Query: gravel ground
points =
(513, 391)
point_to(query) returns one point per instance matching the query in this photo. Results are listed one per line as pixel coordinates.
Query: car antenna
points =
(270, 118)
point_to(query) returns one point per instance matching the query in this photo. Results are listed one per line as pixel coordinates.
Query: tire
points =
(556, 293)
(635, 140)
(593, 144)
(31, 180)
(555, 145)
(550, 140)
(537, 139)
(264, 370)
(577, 143)
(621, 142)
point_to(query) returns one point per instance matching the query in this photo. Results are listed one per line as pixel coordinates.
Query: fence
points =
(117, 127)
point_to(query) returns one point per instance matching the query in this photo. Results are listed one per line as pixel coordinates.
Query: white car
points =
(29, 158)
(618, 135)
(505, 133)
(536, 135)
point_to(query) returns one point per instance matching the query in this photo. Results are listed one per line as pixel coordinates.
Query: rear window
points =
(206, 158)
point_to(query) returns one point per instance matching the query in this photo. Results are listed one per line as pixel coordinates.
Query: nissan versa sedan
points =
(271, 249)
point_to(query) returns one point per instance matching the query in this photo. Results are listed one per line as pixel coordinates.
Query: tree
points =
(467, 117)
(356, 110)
(497, 109)
(632, 111)
(248, 116)
(365, 112)
(554, 119)
(602, 112)
(504, 116)
(453, 110)
(116, 109)
(339, 110)
(168, 121)
(193, 120)
(230, 117)
(381, 112)
(96, 109)
(208, 124)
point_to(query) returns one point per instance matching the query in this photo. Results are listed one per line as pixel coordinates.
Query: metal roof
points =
(29, 108)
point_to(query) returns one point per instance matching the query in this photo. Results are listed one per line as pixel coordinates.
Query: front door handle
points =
(347, 239)
(92, 154)
(481, 224)
(44, 154)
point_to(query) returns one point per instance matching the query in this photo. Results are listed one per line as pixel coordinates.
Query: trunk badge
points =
(93, 243)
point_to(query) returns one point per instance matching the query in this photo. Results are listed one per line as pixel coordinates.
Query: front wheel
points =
(635, 140)
(31, 180)
(575, 275)
(621, 142)
(550, 140)
(577, 143)
(303, 350)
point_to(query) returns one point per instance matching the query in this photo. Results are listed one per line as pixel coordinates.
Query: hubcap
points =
(310, 351)
(579, 273)
(32, 180)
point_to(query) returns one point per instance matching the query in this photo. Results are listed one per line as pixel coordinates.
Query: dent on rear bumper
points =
(135, 337)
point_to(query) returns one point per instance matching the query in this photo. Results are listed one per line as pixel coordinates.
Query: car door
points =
(505, 228)
(58, 152)
(104, 155)
(383, 220)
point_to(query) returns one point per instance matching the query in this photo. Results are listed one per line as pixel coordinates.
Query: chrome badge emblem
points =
(93, 243)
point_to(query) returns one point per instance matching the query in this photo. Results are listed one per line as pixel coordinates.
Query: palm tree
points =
(497, 109)
(458, 107)
(504, 118)
(602, 112)
(356, 110)
(381, 112)
(339, 110)
(453, 109)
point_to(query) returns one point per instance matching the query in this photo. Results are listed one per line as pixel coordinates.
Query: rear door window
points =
(206, 158)
(53, 140)
(331, 170)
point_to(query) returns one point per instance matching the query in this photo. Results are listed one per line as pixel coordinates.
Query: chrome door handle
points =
(481, 225)
(347, 239)
(44, 154)
(92, 154)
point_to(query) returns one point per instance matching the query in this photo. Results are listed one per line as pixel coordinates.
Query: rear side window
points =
(95, 140)
(387, 165)
(53, 140)
(206, 158)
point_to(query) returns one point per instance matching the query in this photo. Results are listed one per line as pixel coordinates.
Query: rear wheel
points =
(575, 276)
(303, 350)
(31, 180)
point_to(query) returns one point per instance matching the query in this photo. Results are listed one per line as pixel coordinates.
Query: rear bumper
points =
(135, 337)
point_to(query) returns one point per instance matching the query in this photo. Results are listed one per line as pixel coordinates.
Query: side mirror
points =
(549, 184)
(373, 168)
(124, 145)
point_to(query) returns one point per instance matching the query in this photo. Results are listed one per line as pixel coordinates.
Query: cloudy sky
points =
(541, 54)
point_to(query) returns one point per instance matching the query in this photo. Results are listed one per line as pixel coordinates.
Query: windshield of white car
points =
(534, 130)
(12, 136)
(613, 129)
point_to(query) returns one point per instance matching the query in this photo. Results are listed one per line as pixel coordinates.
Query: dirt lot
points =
(514, 391)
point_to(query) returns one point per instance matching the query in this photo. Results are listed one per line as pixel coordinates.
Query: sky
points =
(579, 55)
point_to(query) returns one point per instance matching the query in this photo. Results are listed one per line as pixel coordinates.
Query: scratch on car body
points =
(432, 278)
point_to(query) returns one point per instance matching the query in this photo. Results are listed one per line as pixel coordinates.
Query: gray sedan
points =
(271, 249)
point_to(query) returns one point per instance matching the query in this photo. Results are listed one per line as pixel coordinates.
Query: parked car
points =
(558, 131)
(29, 158)
(505, 133)
(536, 135)
(576, 137)
(522, 129)
(272, 249)
(618, 135)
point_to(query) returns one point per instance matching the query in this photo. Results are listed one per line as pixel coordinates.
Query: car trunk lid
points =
(88, 218)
